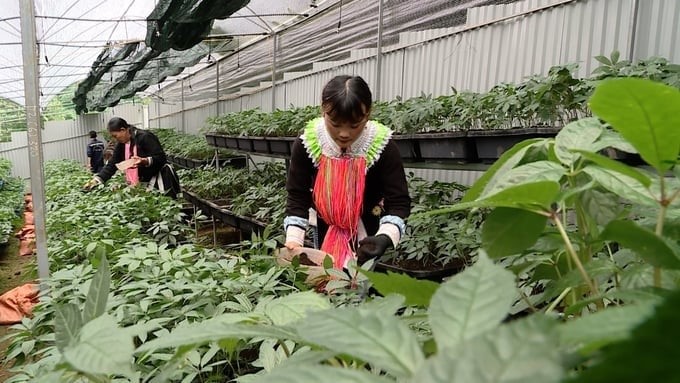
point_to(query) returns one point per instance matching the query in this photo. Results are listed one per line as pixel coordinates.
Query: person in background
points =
(349, 170)
(140, 155)
(95, 153)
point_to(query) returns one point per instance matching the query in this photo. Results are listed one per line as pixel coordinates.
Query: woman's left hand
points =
(139, 161)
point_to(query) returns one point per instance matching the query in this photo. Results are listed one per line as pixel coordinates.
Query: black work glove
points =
(372, 247)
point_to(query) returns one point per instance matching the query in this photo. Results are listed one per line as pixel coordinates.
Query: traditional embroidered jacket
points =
(385, 181)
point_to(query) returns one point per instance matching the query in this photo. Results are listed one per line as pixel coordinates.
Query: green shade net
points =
(175, 30)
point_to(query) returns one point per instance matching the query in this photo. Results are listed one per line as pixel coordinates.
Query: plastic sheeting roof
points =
(73, 33)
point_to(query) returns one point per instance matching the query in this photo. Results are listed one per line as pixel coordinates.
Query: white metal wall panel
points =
(658, 30)
(463, 177)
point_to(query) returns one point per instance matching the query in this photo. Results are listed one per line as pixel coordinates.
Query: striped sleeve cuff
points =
(393, 227)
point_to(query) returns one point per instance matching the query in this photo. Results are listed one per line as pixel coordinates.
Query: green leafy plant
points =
(579, 229)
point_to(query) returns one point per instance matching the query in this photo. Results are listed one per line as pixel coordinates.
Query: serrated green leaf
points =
(602, 206)
(381, 340)
(523, 351)
(649, 354)
(645, 243)
(316, 374)
(507, 161)
(646, 113)
(577, 135)
(293, 307)
(95, 304)
(102, 348)
(625, 187)
(67, 323)
(471, 303)
(616, 167)
(417, 292)
(225, 326)
(508, 231)
(593, 331)
(532, 172)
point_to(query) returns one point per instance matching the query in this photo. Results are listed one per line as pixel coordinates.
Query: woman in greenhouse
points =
(140, 156)
(344, 165)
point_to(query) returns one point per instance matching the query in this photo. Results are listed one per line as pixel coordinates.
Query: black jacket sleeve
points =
(299, 182)
(149, 146)
(389, 170)
(110, 168)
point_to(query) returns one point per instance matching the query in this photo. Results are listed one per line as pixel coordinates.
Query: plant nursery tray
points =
(436, 274)
(281, 145)
(444, 146)
(408, 147)
(491, 144)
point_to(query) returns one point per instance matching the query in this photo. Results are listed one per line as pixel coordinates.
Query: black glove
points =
(372, 247)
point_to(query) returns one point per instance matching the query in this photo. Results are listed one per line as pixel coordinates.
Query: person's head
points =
(120, 130)
(93, 134)
(346, 104)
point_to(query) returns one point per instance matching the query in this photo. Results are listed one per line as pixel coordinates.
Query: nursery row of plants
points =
(464, 126)
(577, 275)
(191, 151)
(11, 201)
(431, 247)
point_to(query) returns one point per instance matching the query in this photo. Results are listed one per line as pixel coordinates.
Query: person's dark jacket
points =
(147, 145)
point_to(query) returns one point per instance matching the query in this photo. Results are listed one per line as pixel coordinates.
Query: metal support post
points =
(635, 14)
(195, 221)
(214, 224)
(217, 88)
(217, 159)
(184, 129)
(274, 49)
(378, 57)
(30, 55)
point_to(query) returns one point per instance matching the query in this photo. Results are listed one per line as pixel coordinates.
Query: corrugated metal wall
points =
(503, 43)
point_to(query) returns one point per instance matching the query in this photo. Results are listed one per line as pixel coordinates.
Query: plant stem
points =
(558, 300)
(285, 348)
(574, 257)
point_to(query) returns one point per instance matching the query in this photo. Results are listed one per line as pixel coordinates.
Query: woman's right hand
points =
(292, 245)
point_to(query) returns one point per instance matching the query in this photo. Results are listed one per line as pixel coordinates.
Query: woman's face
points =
(345, 133)
(122, 136)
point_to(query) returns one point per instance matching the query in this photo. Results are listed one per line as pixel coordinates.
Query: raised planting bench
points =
(280, 147)
(213, 209)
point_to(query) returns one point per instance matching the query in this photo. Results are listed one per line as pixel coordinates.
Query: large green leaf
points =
(525, 174)
(67, 323)
(534, 196)
(645, 243)
(508, 231)
(650, 354)
(293, 307)
(616, 166)
(625, 187)
(612, 139)
(316, 374)
(102, 348)
(215, 329)
(524, 351)
(417, 292)
(381, 340)
(95, 304)
(646, 113)
(471, 303)
(602, 206)
(507, 161)
(577, 135)
(596, 330)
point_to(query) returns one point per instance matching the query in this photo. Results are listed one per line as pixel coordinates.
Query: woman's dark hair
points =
(116, 124)
(346, 98)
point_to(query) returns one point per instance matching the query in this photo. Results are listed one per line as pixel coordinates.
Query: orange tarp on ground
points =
(18, 303)
(27, 233)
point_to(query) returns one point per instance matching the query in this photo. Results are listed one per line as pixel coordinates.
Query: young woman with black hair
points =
(348, 169)
(140, 155)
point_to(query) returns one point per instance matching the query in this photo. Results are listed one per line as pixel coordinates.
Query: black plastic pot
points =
(260, 145)
(281, 145)
(212, 139)
(491, 144)
(408, 147)
(444, 146)
(245, 144)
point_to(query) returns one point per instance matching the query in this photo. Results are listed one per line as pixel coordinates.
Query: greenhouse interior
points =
(374, 191)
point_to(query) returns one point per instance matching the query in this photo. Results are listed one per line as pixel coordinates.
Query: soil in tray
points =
(226, 235)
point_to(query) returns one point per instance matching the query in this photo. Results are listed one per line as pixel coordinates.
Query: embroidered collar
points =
(370, 144)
